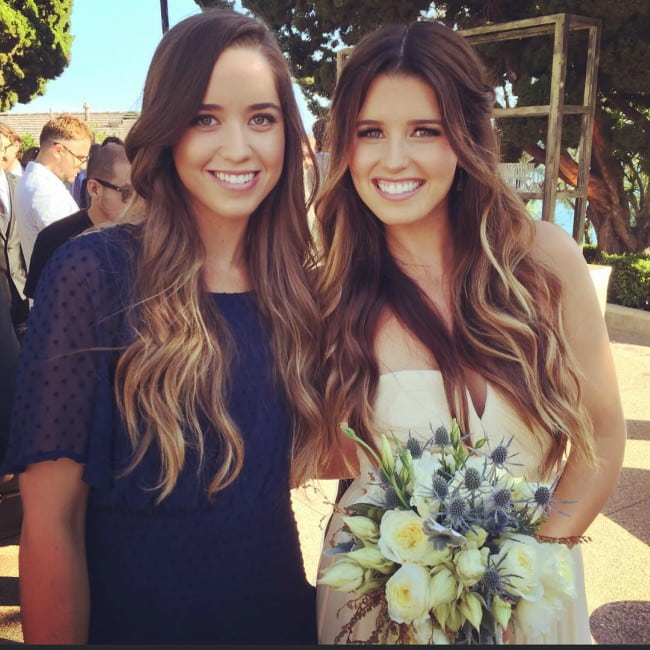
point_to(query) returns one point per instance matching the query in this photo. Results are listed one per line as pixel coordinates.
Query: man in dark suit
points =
(14, 309)
(13, 271)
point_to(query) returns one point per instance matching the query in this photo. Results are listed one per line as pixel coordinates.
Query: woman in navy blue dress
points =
(165, 386)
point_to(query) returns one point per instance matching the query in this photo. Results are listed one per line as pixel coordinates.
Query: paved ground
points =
(617, 561)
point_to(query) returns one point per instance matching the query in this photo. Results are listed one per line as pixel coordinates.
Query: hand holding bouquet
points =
(445, 548)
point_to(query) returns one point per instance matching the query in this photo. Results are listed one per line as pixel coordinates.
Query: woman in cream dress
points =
(442, 298)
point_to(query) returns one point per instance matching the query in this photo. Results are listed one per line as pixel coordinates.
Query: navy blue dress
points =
(190, 570)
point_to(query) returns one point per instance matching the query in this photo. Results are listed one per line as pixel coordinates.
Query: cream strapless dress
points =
(413, 401)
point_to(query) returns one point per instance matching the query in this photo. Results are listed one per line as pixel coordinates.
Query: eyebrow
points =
(410, 122)
(254, 107)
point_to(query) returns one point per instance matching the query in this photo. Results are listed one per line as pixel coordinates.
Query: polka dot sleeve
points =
(64, 393)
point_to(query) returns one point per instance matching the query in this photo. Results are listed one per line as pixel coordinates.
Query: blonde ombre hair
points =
(175, 372)
(507, 323)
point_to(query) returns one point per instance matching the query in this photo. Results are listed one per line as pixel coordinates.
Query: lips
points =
(236, 179)
(398, 188)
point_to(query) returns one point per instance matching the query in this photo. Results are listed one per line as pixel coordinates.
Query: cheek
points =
(357, 164)
(274, 155)
(187, 154)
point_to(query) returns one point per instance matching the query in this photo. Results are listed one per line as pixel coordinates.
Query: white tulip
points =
(345, 575)
(370, 557)
(442, 588)
(362, 527)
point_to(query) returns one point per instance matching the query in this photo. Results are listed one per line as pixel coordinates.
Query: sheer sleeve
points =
(64, 404)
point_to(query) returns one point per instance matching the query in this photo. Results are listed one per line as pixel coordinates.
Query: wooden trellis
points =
(560, 25)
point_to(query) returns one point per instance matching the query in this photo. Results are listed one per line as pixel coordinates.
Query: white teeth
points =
(235, 179)
(398, 188)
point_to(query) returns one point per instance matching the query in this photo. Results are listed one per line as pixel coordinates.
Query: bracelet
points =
(578, 539)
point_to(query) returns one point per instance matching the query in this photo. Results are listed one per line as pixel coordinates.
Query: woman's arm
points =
(588, 489)
(54, 596)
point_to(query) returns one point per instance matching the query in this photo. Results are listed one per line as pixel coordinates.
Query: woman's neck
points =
(225, 269)
(424, 251)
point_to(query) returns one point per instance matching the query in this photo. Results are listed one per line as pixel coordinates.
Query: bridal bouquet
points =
(445, 550)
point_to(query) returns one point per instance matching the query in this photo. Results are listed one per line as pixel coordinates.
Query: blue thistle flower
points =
(439, 484)
(414, 446)
(441, 437)
(473, 478)
(495, 582)
(542, 496)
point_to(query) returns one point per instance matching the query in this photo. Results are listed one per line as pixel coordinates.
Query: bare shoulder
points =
(559, 251)
(555, 246)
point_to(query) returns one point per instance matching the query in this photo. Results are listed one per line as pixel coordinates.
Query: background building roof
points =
(102, 124)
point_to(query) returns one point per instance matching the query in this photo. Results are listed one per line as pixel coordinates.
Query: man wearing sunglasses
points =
(109, 189)
(42, 196)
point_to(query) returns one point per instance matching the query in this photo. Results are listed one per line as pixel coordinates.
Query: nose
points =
(396, 154)
(234, 144)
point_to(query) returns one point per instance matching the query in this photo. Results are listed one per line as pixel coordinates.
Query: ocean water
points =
(563, 215)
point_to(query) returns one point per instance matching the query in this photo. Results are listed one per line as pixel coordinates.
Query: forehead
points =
(399, 97)
(76, 143)
(241, 76)
(6, 142)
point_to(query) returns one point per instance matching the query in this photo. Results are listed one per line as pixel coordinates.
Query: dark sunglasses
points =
(124, 191)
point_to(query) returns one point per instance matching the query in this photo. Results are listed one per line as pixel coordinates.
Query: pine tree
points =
(35, 43)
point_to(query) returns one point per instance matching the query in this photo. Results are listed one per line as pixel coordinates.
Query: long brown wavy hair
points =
(505, 306)
(174, 374)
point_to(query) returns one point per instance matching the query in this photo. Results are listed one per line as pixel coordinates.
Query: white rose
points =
(534, 618)
(522, 563)
(407, 594)
(558, 571)
(471, 563)
(344, 575)
(402, 539)
(477, 535)
(424, 469)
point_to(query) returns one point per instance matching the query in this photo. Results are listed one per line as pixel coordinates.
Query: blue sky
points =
(114, 41)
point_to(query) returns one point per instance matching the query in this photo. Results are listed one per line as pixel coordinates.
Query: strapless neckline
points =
(413, 373)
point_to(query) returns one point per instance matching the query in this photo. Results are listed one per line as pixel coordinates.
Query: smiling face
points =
(401, 162)
(231, 155)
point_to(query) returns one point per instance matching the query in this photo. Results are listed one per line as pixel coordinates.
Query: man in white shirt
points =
(41, 194)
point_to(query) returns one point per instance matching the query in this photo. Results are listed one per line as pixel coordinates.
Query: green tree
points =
(311, 31)
(35, 43)
(28, 141)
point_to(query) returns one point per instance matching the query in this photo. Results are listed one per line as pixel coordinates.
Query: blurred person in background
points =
(42, 196)
(109, 188)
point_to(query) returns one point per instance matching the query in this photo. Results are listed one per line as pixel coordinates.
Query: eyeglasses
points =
(124, 191)
(81, 159)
